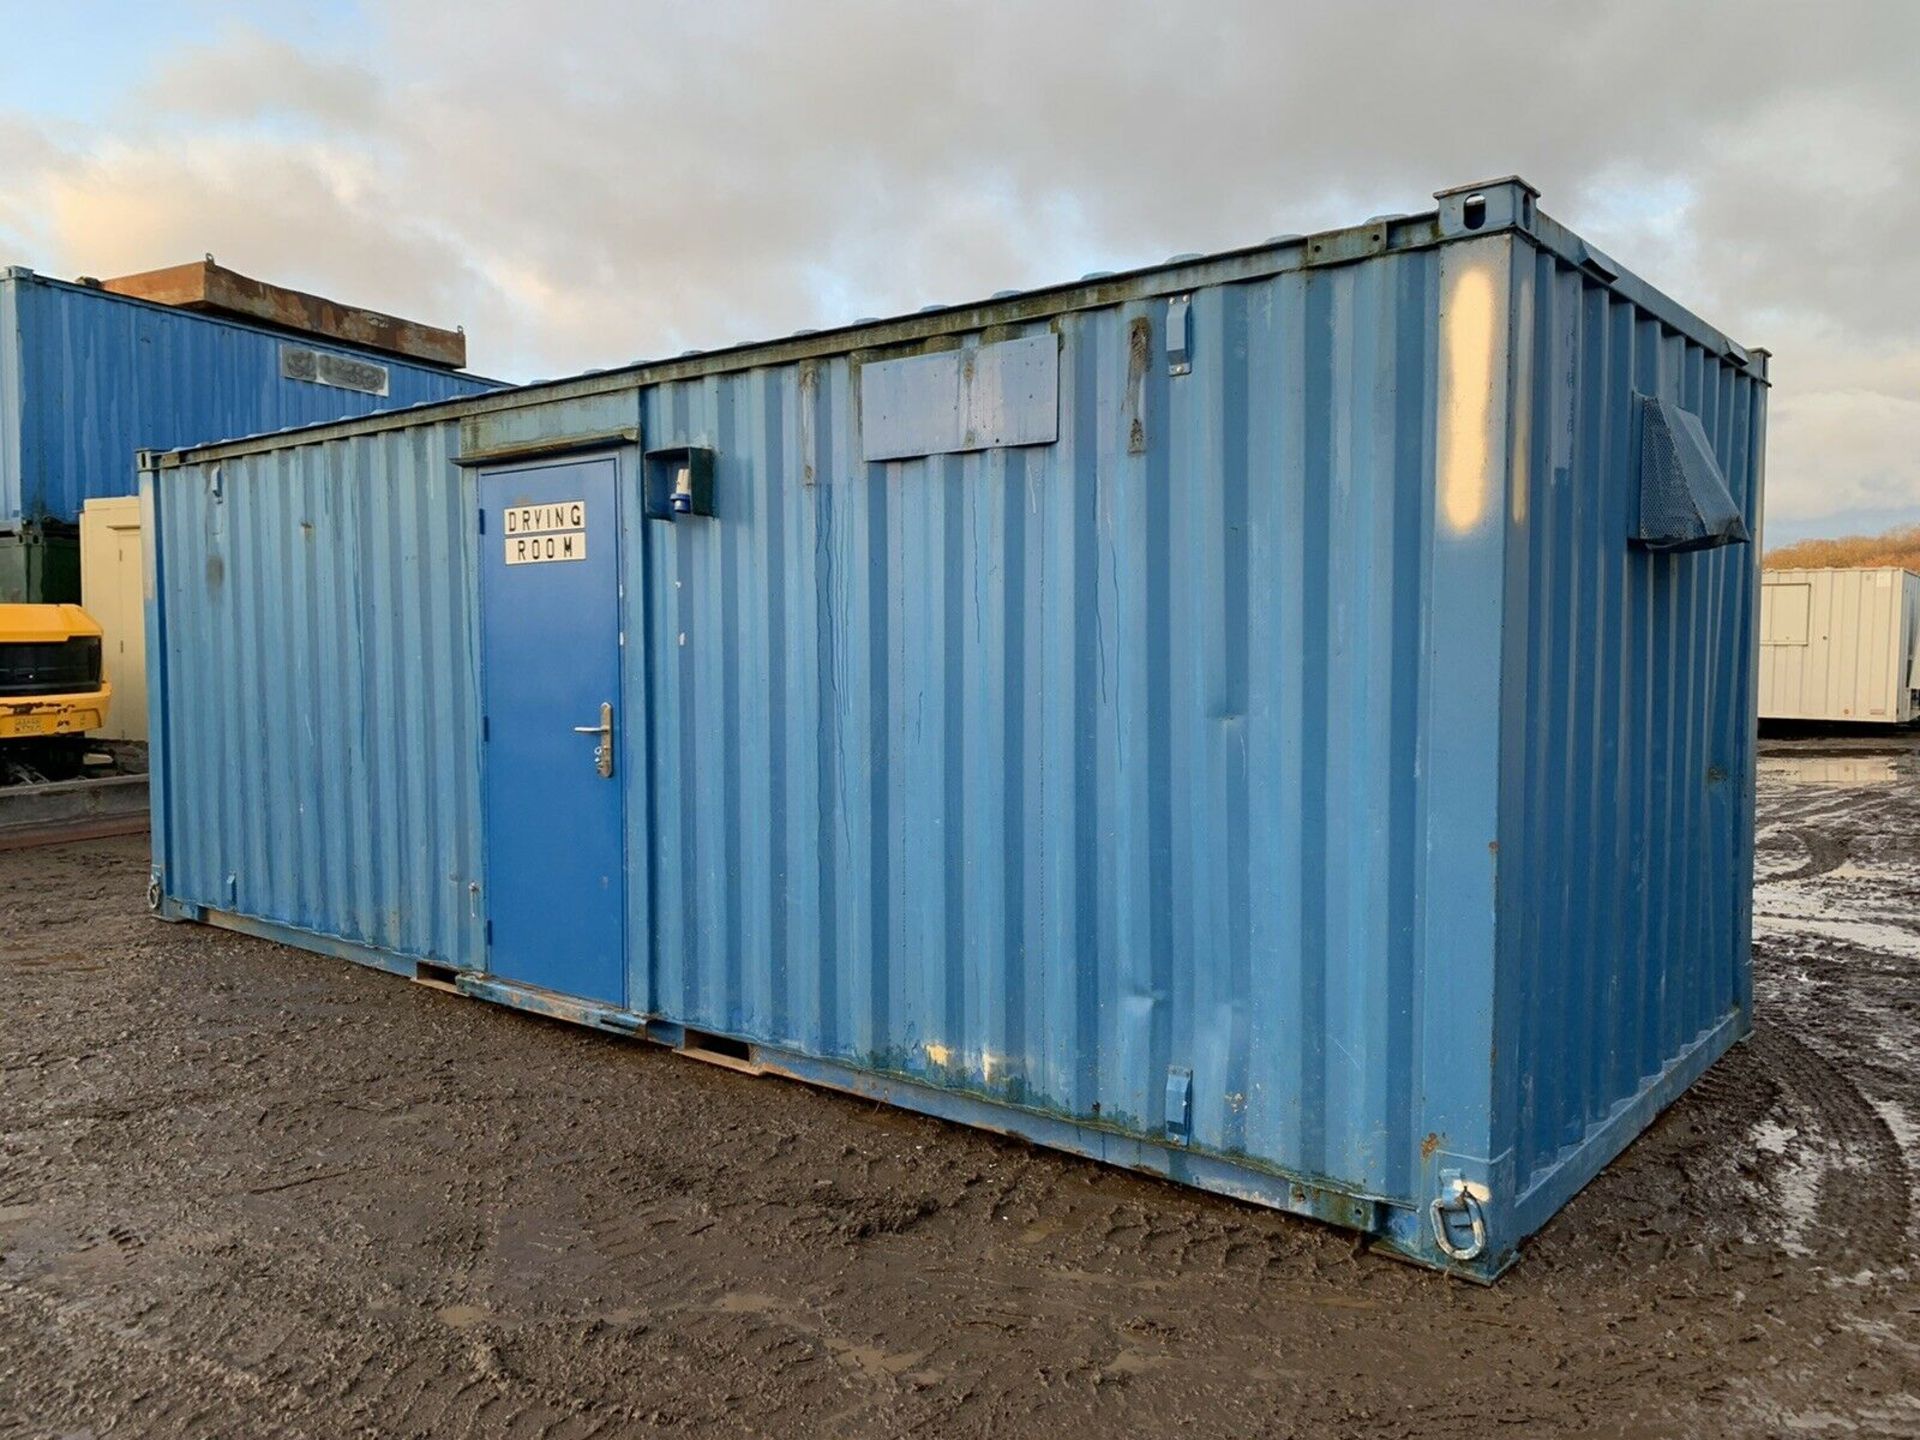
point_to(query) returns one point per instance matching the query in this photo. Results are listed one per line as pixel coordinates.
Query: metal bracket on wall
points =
(1337, 247)
(678, 482)
(1179, 1103)
(1180, 335)
(1598, 263)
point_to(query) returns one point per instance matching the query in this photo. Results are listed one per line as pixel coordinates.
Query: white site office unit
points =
(111, 591)
(1840, 645)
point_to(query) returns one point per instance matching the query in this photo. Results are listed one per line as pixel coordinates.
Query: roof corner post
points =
(1488, 205)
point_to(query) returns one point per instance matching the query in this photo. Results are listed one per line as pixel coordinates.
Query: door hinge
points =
(486, 728)
(487, 930)
(483, 522)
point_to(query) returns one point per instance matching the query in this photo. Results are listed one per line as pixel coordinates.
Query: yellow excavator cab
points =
(50, 683)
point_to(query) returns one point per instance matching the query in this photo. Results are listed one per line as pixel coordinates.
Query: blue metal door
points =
(550, 656)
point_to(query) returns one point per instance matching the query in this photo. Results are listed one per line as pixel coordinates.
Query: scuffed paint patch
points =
(1472, 407)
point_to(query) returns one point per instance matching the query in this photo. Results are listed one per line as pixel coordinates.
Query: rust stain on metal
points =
(1139, 349)
(1429, 1145)
(213, 289)
(809, 398)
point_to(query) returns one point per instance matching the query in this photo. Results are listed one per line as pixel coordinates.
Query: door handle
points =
(603, 752)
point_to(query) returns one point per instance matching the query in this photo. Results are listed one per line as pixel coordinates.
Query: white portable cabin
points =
(1840, 645)
(111, 591)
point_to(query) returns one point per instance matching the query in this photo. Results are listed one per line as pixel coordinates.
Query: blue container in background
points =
(1282, 720)
(88, 377)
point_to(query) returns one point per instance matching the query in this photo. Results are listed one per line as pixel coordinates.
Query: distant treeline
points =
(1898, 546)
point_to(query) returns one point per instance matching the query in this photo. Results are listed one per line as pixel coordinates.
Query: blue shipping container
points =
(88, 377)
(1282, 721)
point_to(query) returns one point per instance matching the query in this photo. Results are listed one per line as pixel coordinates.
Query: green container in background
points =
(39, 566)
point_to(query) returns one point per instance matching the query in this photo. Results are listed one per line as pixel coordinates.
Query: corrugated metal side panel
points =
(1851, 661)
(1036, 771)
(1880, 671)
(317, 695)
(9, 397)
(102, 377)
(1626, 863)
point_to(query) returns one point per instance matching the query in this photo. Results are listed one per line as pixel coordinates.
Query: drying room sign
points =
(537, 534)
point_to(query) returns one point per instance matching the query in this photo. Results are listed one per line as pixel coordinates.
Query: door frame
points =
(561, 455)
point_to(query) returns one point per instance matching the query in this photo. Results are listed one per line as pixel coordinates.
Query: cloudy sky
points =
(585, 182)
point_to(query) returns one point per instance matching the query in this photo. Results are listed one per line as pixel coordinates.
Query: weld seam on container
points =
(1241, 719)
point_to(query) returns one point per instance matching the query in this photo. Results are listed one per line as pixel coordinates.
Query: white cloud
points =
(1850, 440)
(607, 180)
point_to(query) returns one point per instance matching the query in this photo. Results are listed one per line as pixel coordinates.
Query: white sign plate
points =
(539, 549)
(537, 534)
(539, 519)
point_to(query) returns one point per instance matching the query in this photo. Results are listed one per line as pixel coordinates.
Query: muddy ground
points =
(246, 1191)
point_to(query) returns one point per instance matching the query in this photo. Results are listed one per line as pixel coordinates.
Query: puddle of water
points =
(1830, 769)
(1860, 934)
(746, 1302)
(1794, 1181)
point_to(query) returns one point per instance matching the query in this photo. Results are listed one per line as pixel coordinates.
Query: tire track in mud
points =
(282, 1344)
(381, 1381)
(1863, 1209)
(1826, 851)
(1737, 1091)
(149, 1397)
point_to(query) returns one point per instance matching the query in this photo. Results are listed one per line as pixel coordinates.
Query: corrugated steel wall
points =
(10, 415)
(320, 712)
(88, 378)
(1627, 860)
(1036, 771)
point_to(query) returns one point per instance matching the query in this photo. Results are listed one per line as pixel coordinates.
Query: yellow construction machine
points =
(51, 690)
